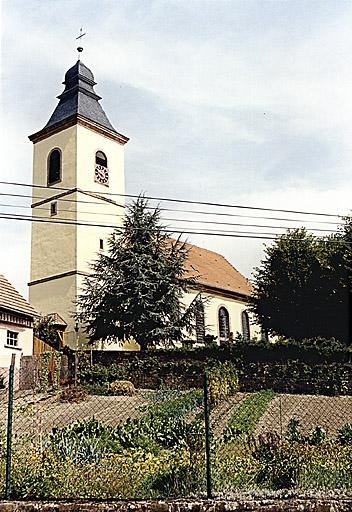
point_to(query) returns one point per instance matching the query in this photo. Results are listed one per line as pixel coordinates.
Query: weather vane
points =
(80, 48)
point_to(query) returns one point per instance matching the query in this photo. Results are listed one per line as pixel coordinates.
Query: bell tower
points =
(78, 187)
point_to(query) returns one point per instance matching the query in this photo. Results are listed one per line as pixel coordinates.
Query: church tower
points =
(78, 187)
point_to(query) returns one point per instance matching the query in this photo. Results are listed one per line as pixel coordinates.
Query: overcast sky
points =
(240, 102)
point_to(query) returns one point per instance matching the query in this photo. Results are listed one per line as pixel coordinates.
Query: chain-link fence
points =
(126, 442)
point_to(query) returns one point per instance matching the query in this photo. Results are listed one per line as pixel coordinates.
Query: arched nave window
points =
(200, 321)
(224, 323)
(246, 333)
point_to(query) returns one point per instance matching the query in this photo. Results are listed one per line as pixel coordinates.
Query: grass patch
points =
(248, 414)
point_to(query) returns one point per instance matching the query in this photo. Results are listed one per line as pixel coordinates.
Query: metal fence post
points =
(9, 427)
(207, 435)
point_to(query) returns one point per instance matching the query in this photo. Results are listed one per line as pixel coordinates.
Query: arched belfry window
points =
(246, 333)
(100, 159)
(224, 323)
(54, 167)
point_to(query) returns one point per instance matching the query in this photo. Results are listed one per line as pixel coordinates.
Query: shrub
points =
(344, 436)
(122, 387)
(178, 481)
(311, 366)
(98, 374)
(223, 381)
(294, 435)
(279, 465)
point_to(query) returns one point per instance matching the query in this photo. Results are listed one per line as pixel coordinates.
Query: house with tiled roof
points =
(16, 326)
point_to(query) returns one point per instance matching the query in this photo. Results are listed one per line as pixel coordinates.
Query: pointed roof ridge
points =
(12, 300)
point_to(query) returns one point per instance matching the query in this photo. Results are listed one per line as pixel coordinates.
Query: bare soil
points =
(40, 412)
(329, 412)
(35, 413)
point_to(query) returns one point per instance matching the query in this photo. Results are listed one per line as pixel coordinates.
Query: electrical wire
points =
(184, 201)
(176, 231)
(100, 203)
(194, 221)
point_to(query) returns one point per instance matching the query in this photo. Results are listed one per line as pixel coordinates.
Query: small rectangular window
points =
(101, 244)
(53, 208)
(12, 338)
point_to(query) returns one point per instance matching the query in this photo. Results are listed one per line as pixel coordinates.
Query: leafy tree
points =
(46, 331)
(135, 290)
(303, 286)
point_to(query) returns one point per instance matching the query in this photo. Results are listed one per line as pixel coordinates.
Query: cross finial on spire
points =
(80, 48)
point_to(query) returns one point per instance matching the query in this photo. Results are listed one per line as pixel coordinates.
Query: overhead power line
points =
(255, 235)
(100, 203)
(168, 219)
(184, 201)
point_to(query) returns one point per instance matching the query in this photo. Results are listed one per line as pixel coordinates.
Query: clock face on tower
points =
(101, 174)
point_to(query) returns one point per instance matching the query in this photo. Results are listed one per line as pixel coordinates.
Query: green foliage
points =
(44, 371)
(279, 464)
(97, 378)
(315, 437)
(247, 415)
(2, 443)
(83, 442)
(344, 436)
(100, 374)
(135, 290)
(223, 381)
(88, 459)
(46, 379)
(312, 367)
(163, 425)
(144, 371)
(45, 330)
(297, 377)
(304, 284)
(178, 481)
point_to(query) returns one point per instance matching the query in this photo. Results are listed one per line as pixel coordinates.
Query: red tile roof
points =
(214, 271)
(12, 300)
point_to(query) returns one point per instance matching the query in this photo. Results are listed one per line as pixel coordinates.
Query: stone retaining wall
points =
(260, 505)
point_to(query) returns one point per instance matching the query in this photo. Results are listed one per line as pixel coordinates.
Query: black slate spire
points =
(79, 98)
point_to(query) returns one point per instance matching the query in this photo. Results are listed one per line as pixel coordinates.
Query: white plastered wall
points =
(25, 348)
(53, 248)
(95, 211)
(234, 306)
(59, 248)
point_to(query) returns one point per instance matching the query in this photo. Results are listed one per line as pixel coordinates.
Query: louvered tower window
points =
(100, 159)
(54, 167)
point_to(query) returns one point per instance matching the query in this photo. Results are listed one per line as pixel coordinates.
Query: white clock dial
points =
(101, 175)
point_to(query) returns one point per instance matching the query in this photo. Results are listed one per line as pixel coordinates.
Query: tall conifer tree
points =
(135, 290)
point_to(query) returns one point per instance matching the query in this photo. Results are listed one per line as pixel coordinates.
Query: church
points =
(78, 183)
